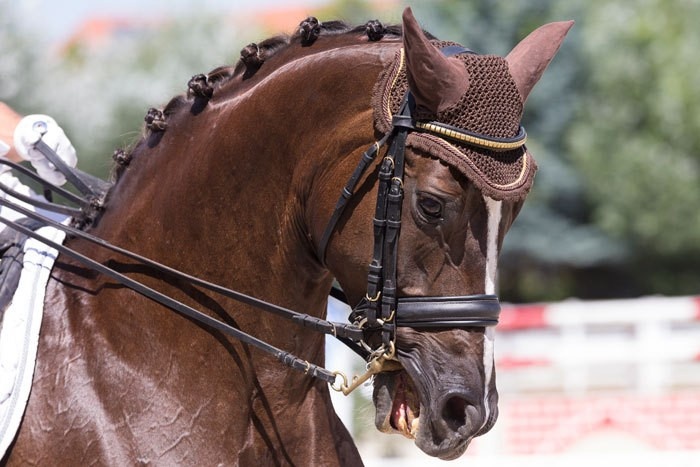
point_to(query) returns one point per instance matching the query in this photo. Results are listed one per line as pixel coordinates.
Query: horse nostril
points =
(454, 412)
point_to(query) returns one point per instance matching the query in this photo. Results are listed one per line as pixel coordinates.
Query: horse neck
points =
(231, 194)
(228, 194)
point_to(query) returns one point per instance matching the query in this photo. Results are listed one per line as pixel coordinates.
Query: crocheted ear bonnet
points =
(491, 107)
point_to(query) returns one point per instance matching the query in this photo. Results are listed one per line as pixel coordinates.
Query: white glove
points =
(29, 131)
(4, 149)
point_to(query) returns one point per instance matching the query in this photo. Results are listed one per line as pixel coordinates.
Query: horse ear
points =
(436, 82)
(528, 60)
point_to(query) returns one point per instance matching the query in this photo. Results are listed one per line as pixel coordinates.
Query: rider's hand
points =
(27, 134)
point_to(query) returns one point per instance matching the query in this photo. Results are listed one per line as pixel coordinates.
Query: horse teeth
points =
(407, 423)
(415, 423)
(409, 413)
(402, 426)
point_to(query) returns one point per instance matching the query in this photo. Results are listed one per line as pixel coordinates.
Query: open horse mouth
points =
(405, 408)
(444, 434)
(439, 403)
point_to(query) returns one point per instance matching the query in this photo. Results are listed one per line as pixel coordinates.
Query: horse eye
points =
(431, 208)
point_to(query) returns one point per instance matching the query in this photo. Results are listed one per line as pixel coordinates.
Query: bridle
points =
(380, 311)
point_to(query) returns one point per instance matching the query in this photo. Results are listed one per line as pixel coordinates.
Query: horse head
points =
(460, 199)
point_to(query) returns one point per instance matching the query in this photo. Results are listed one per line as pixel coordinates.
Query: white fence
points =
(646, 345)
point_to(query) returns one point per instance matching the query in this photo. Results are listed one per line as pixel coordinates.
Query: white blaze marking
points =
(489, 336)
(494, 219)
(493, 208)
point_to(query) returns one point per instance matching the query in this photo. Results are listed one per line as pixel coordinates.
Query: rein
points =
(345, 331)
(380, 311)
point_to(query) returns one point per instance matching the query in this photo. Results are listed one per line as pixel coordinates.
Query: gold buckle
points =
(382, 362)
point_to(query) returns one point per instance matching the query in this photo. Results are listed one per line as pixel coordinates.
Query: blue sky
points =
(58, 18)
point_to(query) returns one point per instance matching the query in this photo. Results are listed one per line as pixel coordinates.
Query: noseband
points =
(381, 309)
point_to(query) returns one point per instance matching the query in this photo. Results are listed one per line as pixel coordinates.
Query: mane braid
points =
(252, 57)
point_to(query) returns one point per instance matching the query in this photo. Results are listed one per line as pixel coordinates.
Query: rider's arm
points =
(22, 133)
(9, 119)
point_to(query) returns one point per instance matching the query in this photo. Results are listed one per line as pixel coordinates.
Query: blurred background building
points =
(599, 362)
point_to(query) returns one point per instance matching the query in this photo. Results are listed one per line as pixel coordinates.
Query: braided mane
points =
(255, 54)
(231, 78)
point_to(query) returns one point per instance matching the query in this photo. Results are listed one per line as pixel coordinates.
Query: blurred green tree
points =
(20, 72)
(636, 140)
(100, 94)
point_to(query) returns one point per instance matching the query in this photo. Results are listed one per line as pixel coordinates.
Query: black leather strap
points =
(348, 190)
(448, 312)
(85, 183)
(452, 50)
(394, 201)
(38, 203)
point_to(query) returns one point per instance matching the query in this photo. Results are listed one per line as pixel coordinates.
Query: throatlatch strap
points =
(348, 190)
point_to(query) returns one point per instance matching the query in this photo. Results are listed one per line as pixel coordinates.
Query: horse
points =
(235, 182)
